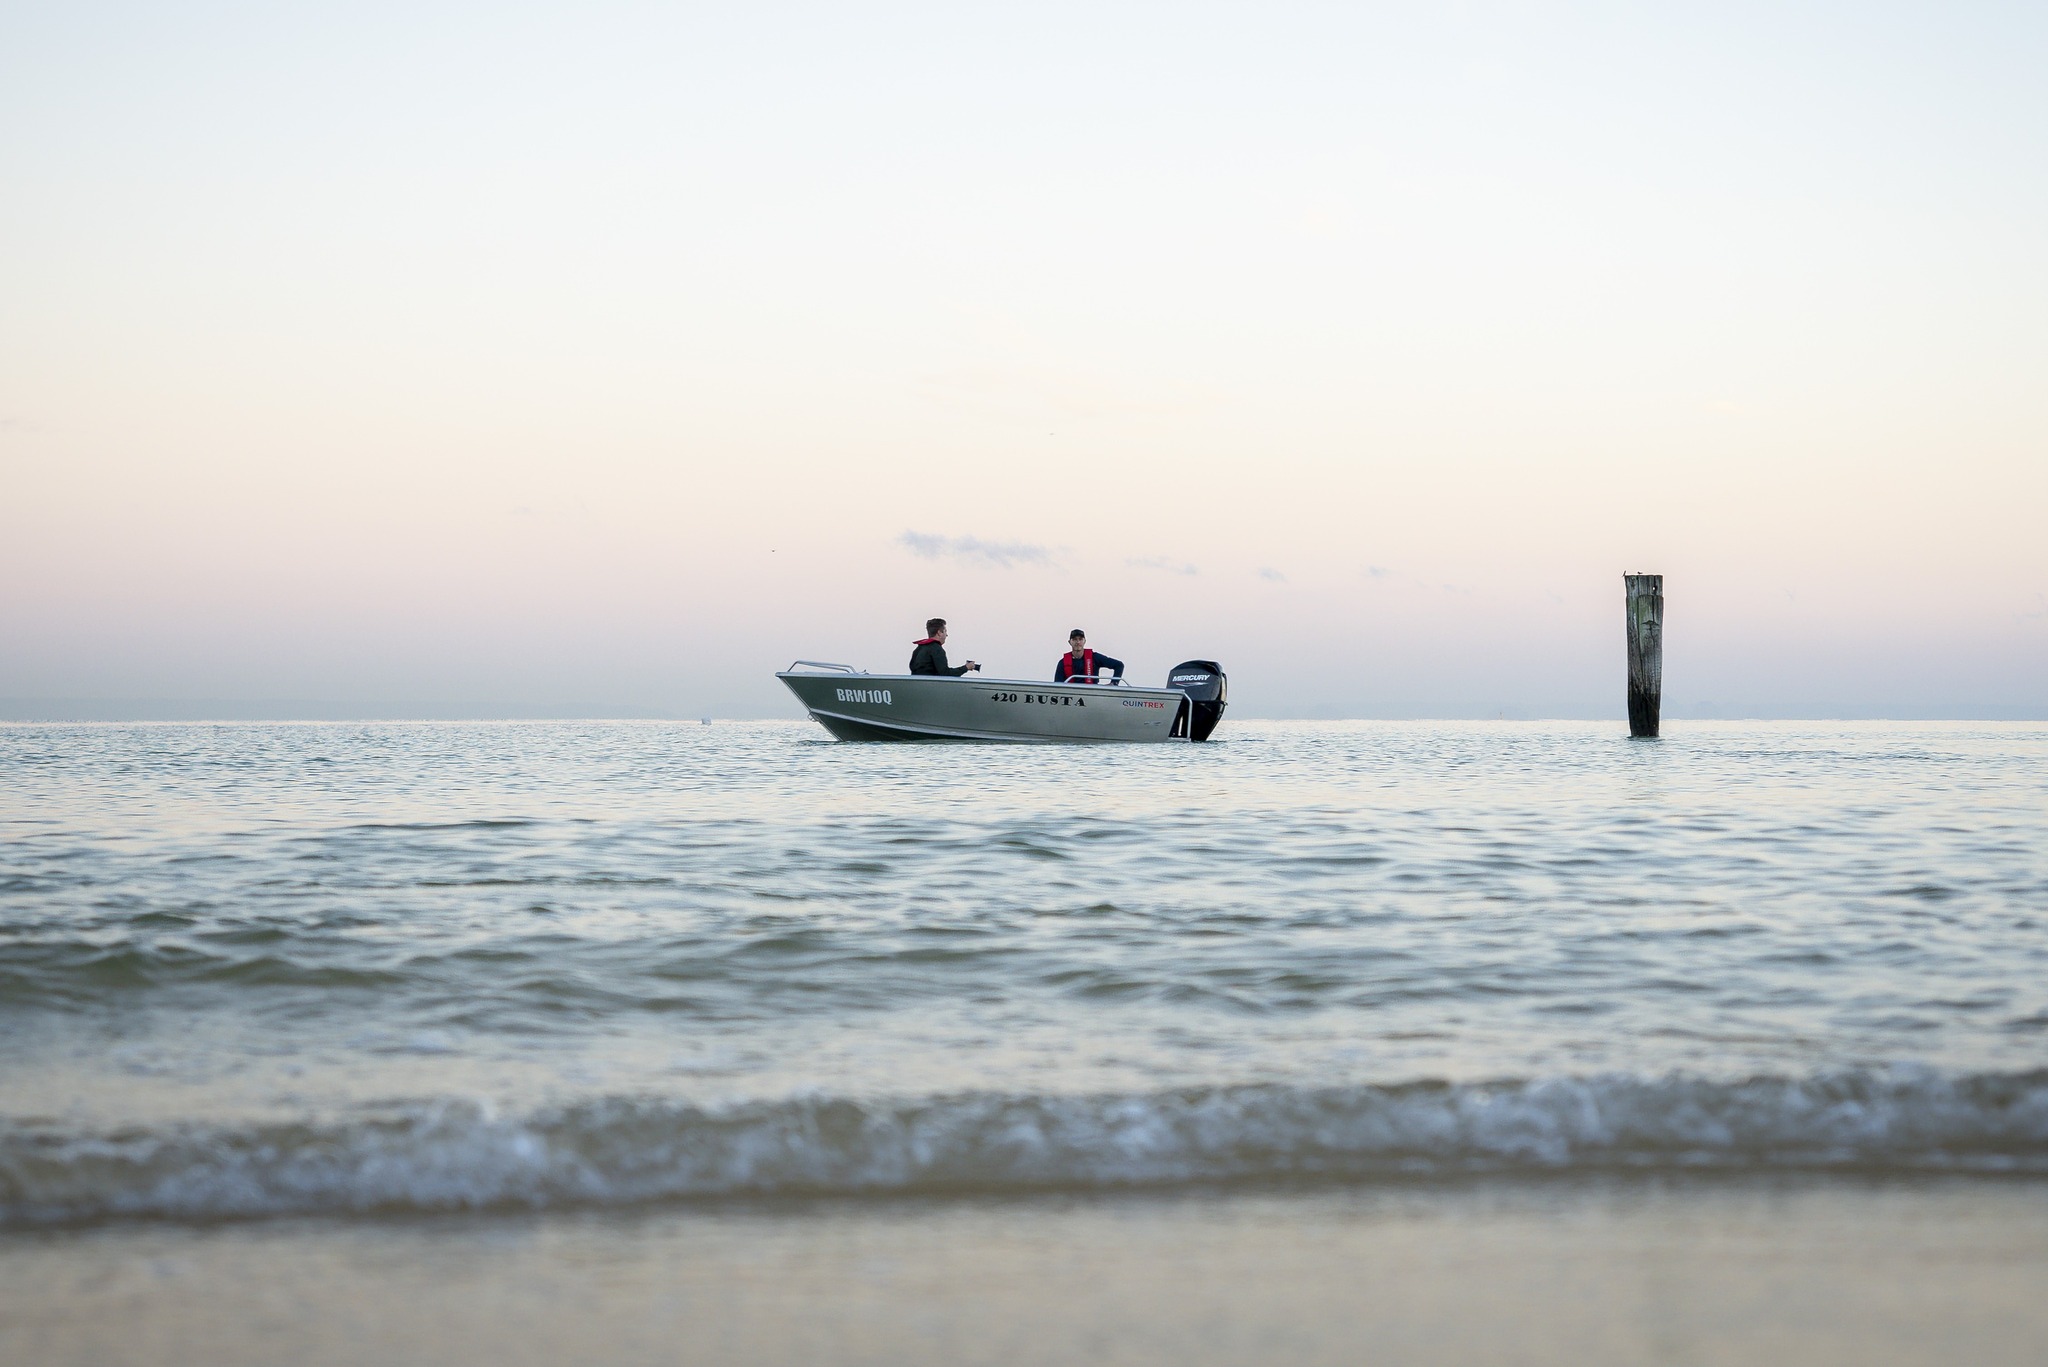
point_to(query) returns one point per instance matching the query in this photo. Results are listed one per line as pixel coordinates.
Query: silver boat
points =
(853, 705)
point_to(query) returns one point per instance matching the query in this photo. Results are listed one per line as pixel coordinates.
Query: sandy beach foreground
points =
(1586, 1273)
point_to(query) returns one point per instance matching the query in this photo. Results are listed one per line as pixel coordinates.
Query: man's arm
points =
(1108, 664)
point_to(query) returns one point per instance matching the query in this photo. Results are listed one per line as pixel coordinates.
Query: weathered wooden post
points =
(1645, 653)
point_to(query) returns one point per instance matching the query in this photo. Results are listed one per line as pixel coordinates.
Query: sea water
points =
(351, 971)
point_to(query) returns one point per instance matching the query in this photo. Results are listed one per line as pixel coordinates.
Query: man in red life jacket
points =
(930, 655)
(1083, 665)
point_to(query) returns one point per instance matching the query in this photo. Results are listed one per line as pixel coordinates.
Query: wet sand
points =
(1588, 1273)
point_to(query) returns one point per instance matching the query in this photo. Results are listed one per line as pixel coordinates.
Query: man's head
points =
(1077, 640)
(935, 627)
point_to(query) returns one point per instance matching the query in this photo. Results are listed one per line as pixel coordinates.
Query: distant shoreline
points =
(216, 711)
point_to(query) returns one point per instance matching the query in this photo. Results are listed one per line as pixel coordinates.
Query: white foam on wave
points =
(459, 1155)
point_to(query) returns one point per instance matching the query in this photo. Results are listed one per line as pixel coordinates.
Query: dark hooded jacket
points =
(930, 658)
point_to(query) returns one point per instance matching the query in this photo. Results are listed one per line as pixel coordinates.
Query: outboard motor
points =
(1208, 693)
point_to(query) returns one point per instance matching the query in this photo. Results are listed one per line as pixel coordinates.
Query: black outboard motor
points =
(1208, 693)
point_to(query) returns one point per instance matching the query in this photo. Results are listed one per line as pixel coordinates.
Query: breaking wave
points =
(450, 1156)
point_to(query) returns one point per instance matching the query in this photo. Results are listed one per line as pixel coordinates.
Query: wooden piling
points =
(1645, 653)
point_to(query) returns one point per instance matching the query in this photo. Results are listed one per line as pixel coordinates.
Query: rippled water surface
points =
(248, 969)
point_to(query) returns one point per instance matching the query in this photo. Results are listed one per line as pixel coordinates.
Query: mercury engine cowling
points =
(1208, 693)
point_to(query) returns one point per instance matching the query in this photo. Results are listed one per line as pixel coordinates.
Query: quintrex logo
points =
(880, 695)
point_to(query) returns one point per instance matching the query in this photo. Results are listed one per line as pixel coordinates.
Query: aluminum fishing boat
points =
(853, 705)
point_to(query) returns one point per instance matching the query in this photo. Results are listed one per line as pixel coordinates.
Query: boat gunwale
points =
(1037, 685)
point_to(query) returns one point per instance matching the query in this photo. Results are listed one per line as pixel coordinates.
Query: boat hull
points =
(914, 707)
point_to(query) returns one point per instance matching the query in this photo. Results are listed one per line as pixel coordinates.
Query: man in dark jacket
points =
(1083, 665)
(930, 655)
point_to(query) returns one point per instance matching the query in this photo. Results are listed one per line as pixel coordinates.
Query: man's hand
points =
(972, 666)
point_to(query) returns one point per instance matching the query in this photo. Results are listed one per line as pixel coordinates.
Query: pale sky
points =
(486, 359)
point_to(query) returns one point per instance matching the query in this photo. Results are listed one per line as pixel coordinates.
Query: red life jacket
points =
(927, 641)
(1087, 666)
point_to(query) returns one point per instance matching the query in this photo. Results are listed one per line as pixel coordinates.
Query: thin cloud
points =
(1002, 554)
(1274, 575)
(1378, 572)
(1163, 565)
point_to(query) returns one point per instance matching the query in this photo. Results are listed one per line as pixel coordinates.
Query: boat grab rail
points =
(1110, 680)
